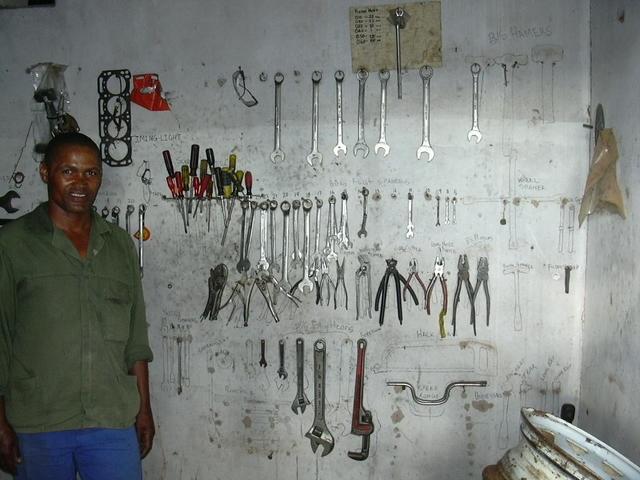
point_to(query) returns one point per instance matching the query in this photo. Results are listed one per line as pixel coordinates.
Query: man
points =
(73, 335)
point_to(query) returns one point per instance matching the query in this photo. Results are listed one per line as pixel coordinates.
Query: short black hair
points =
(75, 139)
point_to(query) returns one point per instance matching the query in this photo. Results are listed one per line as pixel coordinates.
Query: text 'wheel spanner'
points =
(362, 421)
(301, 401)
(319, 434)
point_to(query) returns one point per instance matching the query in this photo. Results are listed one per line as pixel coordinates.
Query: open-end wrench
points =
(330, 245)
(284, 278)
(263, 359)
(382, 142)
(7, 198)
(301, 401)
(447, 202)
(426, 72)
(263, 263)
(244, 204)
(410, 226)
(246, 263)
(296, 255)
(315, 157)
(317, 255)
(115, 215)
(399, 17)
(340, 146)
(343, 234)
(361, 144)
(273, 206)
(305, 285)
(363, 227)
(127, 217)
(361, 420)
(141, 213)
(278, 154)
(319, 434)
(282, 373)
(438, 208)
(475, 132)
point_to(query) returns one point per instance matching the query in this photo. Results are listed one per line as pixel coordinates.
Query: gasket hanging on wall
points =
(114, 117)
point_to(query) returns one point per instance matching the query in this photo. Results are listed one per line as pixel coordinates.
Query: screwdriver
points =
(248, 183)
(209, 195)
(193, 172)
(227, 195)
(173, 183)
(186, 186)
(202, 185)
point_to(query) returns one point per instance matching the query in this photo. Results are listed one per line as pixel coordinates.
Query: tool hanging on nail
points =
(361, 419)
(482, 278)
(381, 295)
(438, 274)
(363, 273)
(174, 181)
(463, 277)
(398, 18)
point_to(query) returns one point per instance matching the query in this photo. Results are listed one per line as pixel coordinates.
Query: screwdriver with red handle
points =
(174, 181)
(193, 173)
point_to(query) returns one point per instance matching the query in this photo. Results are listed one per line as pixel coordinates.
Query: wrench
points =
(244, 204)
(284, 279)
(363, 228)
(438, 208)
(263, 263)
(426, 72)
(141, 213)
(475, 132)
(340, 146)
(263, 360)
(305, 285)
(246, 264)
(296, 256)
(361, 144)
(301, 401)
(319, 434)
(282, 373)
(330, 245)
(343, 235)
(382, 142)
(127, 217)
(273, 205)
(278, 154)
(446, 209)
(361, 420)
(315, 156)
(410, 226)
(115, 214)
(317, 256)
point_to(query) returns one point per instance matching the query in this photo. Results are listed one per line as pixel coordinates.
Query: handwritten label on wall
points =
(373, 36)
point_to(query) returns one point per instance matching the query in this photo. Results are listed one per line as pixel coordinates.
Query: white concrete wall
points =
(234, 419)
(610, 375)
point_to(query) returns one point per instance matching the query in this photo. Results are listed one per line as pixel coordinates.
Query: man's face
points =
(73, 179)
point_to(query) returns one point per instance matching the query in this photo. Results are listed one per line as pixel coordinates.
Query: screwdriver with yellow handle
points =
(227, 200)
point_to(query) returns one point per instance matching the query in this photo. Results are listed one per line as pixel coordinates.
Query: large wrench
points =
(301, 401)
(284, 278)
(263, 263)
(475, 132)
(361, 144)
(426, 72)
(330, 245)
(273, 205)
(361, 420)
(382, 142)
(410, 226)
(296, 255)
(340, 146)
(319, 434)
(244, 204)
(277, 155)
(363, 228)
(315, 157)
(305, 285)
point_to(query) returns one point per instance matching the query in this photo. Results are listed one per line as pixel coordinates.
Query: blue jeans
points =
(94, 453)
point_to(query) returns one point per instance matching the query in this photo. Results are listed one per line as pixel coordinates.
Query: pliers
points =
(463, 277)
(413, 272)
(438, 274)
(363, 272)
(381, 295)
(325, 283)
(217, 281)
(482, 277)
(340, 280)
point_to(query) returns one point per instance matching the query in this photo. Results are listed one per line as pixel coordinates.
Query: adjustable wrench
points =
(343, 234)
(361, 420)
(263, 348)
(382, 142)
(363, 228)
(244, 204)
(263, 263)
(361, 144)
(315, 157)
(410, 226)
(277, 155)
(305, 285)
(426, 72)
(475, 132)
(340, 146)
(296, 256)
(330, 245)
(282, 373)
(273, 205)
(301, 401)
(284, 278)
(319, 434)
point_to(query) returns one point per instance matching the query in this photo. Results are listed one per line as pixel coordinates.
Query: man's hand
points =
(9, 451)
(146, 431)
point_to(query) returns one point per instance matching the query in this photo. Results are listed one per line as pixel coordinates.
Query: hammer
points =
(547, 56)
(516, 270)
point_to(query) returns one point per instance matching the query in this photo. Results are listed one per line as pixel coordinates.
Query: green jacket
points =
(70, 328)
